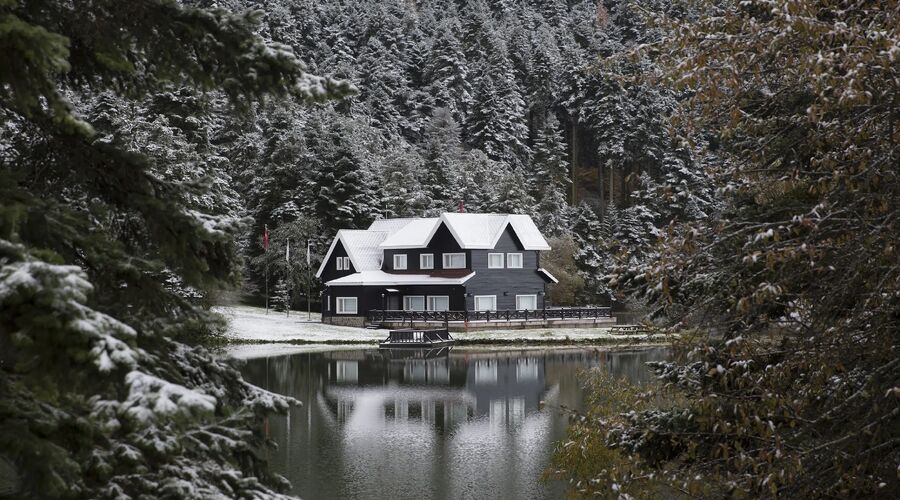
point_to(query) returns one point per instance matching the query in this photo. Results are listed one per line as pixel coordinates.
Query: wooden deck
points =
(417, 339)
(556, 313)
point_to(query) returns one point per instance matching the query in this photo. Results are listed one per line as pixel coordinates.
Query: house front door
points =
(393, 302)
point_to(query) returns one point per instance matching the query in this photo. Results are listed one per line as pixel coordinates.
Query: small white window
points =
(400, 261)
(328, 303)
(454, 261)
(485, 302)
(526, 302)
(339, 263)
(343, 263)
(439, 303)
(514, 260)
(414, 303)
(346, 305)
(495, 261)
(426, 261)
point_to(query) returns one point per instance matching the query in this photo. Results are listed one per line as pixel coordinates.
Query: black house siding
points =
(442, 242)
(331, 272)
(375, 297)
(524, 281)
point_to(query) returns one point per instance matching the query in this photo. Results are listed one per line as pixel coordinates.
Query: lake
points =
(452, 423)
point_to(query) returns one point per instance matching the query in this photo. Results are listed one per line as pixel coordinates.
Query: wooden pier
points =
(417, 338)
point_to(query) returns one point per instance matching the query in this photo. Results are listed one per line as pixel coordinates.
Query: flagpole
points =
(287, 258)
(308, 279)
(266, 258)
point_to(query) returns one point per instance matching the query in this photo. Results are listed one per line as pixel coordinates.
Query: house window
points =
(439, 303)
(414, 303)
(328, 303)
(346, 263)
(514, 260)
(343, 263)
(485, 302)
(495, 261)
(454, 261)
(400, 261)
(346, 305)
(526, 302)
(426, 261)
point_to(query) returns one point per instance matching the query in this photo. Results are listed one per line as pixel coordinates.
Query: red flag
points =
(462, 207)
(266, 237)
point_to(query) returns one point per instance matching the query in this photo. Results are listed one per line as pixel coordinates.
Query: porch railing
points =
(383, 316)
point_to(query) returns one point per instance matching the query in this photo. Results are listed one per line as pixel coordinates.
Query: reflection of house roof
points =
(381, 278)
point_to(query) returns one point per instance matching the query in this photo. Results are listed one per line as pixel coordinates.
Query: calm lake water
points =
(457, 423)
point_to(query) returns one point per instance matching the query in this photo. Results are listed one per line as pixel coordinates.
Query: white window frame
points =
(446, 260)
(475, 302)
(521, 260)
(346, 263)
(406, 302)
(422, 261)
(495, 254)
(328, 303)
(518, 308)
(339, 263)
(400, 257)
(340, 306)
(343, 264)
(431, 302)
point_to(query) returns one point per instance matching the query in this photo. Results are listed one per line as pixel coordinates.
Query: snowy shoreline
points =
(251, 325)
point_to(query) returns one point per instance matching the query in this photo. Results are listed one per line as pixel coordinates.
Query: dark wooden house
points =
(455, 262)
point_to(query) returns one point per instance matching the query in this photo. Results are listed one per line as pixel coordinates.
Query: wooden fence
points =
(384, 316)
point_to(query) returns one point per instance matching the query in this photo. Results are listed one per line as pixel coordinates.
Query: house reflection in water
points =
(461, 422)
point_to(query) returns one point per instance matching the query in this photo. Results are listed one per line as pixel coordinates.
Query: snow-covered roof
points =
(361, 246)
(472, 231)
(483, 231)
(415, 233)
(381, 278)
(546, 273)
(389, 226)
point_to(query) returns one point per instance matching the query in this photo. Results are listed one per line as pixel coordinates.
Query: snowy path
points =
(251, 324)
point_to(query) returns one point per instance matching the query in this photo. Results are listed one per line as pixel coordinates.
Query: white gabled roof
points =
(381, 278)
(483, 231)
(389, 226)
(471, 231)
(361, 246)
(415, 233)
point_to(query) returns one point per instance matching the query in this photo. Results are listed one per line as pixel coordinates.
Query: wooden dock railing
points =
(384, 316)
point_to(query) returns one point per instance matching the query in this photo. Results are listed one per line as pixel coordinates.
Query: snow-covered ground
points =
(252, 324)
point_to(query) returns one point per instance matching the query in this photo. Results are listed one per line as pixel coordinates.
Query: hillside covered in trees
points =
(500, 105)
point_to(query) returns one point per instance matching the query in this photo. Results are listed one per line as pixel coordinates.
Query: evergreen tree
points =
(281, 295)
(447, 73)
(101, 395)
(548, 179)
(497, 123)
(589, 260)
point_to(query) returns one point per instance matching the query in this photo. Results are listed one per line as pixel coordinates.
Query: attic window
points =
(495, 261)
(400, 261)
(514, 260)
(342, 263)
(426, 261)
